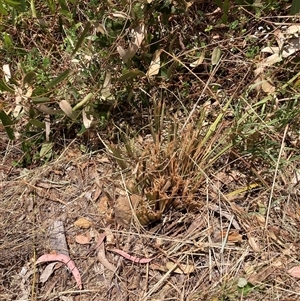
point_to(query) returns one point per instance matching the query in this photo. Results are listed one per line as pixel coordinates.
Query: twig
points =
(275, 176)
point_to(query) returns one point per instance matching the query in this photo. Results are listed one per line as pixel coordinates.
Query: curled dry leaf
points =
(182, 269)
(293, 29)
(102, 258)
(100, 239)
(234, 236)
(155, 64)
(83, 223)
(131, 258)
(103, 205)
(47, 272)
(138, 36)
(66, 107)
(82, 239)
(87, 120)
(199, 61)
(123, 211)
(7, 72)
(120, 14)
(65, 260)
(253, 243)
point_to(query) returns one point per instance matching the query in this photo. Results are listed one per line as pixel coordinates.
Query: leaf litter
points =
(191, 239)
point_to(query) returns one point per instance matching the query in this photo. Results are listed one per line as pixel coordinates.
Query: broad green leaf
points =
(131, 74)
(28, 78)
(13, 3)
(5, 87)
(82, 37)
(63, 5)
(46, 150)
(58, 79)
(37, 123)
(8, 43)
(3, 12)
(295, 9)
(218, 3)
(7, 122)
(51, 5)
(225, 12)
(40, 100)
(216, 55)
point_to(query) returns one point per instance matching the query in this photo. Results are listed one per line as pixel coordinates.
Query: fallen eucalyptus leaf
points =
(65, 260)
(182, 269)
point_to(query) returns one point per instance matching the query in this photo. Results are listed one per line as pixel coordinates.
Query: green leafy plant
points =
(295, 9)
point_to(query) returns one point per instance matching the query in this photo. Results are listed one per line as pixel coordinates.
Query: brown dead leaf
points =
(103, 205)
(102, 258)
(138, 35)
(199, 61)
(226, 214)
(110, 238)
(261, 82)
(233, 236)
(262, 275)
(123, 211)
(82, 239)
(47, 272)
(158, 267)
(83, 223)
(97, 193)
(252, 242)
(134, 282)
(66, 107)
(295, 272)
(155, 64)
(267, 87)
(183, 269)
(260, 219)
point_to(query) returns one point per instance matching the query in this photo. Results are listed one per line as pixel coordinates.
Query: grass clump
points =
(171, 165)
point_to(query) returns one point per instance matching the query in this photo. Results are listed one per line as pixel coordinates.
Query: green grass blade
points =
(60, 78)
(82, 37)
(295, 9)
(7, 122)
(5, 87)
(213, 127)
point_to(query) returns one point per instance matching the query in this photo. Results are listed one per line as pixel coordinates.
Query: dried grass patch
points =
(201, 252)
